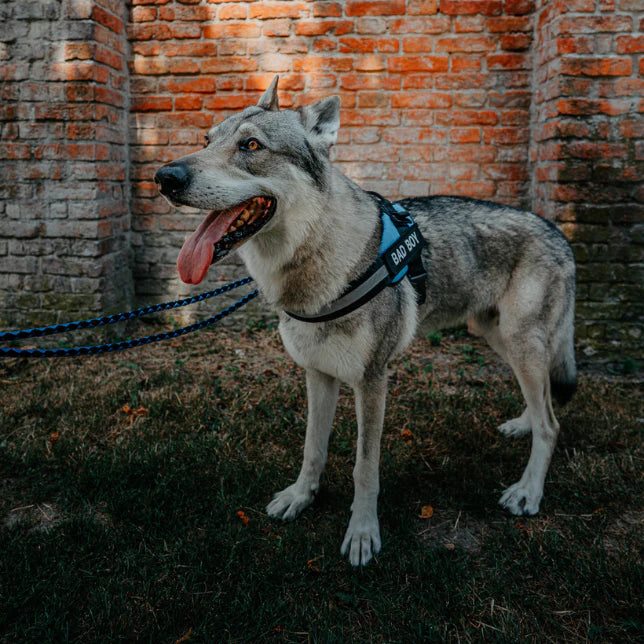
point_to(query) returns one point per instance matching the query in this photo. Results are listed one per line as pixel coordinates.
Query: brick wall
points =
(588, 159)
(64, 211)
(529, 102)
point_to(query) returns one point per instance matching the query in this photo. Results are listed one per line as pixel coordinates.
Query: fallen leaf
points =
(132, 413)
(312, 564)
(185, 638)
(406, 433)
(426, 512)
(52, 438)
(242, 515)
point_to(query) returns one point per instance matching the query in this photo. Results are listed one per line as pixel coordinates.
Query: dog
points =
(305, 231)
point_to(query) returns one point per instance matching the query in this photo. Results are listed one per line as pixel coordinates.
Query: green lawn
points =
(124, 525)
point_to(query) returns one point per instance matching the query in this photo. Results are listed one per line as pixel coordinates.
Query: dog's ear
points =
(269, 100)
(322, 120)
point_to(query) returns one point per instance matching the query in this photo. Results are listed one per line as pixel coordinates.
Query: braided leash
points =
(122, 317)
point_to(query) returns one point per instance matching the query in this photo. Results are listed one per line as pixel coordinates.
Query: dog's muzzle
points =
(173, 178)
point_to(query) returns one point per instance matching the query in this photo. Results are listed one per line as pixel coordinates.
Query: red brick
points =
(228, 65)
(594, 24)
(151, 66)
(15, 151)
(148, 32)
(516, 42)
(108, 20)
(241, 30)
(585, 106)
(630, 44)
(327, 9)
(422, 7)
(508, 61)
(415, 44)
(575, 45)
(321, 27)
(418, 64)
(460, 7)
(519, 7)
(104, 55)
(368, 81)
(276, 28)
(186, 30)
(150, 103)
(197, 49)
(465, 63)
(465, 44)
(422, 100)
(143, 14)
(166, 13)
(276, 10)
(368, 45)
(184, 66)
(597, 66)
(469, 24)
(436, 25)
(325, 44)
(229, 102)
(504, 24)
(317, 63)
(180, 86)
(465, 135)
(79, 51)
(232, 12)
(375, 7)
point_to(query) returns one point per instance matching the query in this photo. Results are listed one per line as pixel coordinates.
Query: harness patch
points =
(402, 251)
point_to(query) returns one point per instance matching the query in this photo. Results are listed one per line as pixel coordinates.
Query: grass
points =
(125, 525)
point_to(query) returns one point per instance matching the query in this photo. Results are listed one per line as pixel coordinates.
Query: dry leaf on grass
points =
(133, 413)
(242, 516)
(426, 512)
(185, 638)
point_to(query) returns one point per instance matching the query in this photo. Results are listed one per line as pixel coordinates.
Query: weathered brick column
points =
(588, 160)
(64, 213)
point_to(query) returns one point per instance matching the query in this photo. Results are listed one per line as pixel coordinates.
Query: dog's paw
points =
(362, 540)
(515, 427)
(521, 499)
(288, 503)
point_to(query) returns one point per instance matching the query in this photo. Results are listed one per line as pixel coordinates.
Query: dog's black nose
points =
(173, 177)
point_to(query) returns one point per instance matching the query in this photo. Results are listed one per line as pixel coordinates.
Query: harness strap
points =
(399, 256)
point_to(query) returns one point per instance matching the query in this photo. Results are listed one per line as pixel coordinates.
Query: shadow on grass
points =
(120, 525)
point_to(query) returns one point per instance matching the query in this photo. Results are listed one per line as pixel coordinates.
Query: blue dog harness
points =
(399, 256)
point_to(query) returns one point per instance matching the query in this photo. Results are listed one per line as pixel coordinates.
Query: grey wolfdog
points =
(305, 231)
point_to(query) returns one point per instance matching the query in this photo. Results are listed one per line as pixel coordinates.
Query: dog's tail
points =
(563, 371)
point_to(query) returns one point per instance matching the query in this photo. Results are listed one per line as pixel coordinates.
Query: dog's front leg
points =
(322, 394)
(362, 539)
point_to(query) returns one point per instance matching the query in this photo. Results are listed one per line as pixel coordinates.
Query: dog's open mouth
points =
(219, 233)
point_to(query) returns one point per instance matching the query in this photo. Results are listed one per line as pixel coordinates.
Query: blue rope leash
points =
(122, 317)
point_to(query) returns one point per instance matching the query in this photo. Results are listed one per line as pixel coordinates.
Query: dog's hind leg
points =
(531, 366)
(487, 326)
(322, 392)
(362, 539)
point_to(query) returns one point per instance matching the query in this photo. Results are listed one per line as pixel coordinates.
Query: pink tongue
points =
(197, 251)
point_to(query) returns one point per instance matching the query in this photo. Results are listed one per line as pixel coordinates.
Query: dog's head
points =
(253, 165)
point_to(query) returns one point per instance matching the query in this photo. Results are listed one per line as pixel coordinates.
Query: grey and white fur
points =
(508, 273)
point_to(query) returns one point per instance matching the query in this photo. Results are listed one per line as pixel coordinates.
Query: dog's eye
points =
(252, 145)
